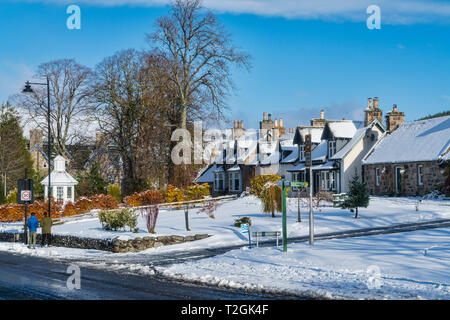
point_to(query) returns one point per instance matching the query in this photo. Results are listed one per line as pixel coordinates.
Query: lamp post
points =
(28, 89)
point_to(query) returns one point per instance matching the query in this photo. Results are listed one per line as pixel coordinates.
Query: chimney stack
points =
(264, 116)
(394, 119)
(270, 117)
(322, 114)
(242, 124)
(235, 124)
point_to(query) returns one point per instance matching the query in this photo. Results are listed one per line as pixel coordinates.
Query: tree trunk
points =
(356, 212)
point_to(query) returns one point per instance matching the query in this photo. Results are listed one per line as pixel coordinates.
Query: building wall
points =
(354, 158)
(432, 178)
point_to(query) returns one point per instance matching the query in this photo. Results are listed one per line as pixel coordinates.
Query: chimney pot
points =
(281, 123)
(369, 103)
(270, 117)
(235, 124)
(242, 124)
(375, 103)
(264, 115)
(276, 123)
(322, 114)
(394, 107)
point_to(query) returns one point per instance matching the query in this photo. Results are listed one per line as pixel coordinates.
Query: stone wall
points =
(432, 178)
(112, 245)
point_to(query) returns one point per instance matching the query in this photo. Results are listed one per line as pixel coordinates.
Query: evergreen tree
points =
(358, 195)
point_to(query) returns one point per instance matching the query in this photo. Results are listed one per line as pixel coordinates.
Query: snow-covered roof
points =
(287, 139)
(320, 152)
(60, 178)
(302, 131)
(206, 174)
(423, 140)
(292, 156)
(344, 129)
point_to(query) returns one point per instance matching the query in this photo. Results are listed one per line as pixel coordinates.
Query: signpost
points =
(245, 228)
(308, 164)
(25, 196)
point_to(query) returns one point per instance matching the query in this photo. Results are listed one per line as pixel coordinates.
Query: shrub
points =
(243, 220)
(114, 191)
(271, 198)
(151, 215)
(257, 183)
(209, 207)
(12, 196)
(197, 191)
(144, 198)
(118, 219)
(173, 194)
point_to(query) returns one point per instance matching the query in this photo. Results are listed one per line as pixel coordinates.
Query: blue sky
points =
(304, 57)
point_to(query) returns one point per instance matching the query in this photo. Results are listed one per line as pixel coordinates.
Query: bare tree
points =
(69, 102)
(198, 53)
(129, 108)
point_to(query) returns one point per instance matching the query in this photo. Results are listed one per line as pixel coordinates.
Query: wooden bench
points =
(338, 199)
(259, 234)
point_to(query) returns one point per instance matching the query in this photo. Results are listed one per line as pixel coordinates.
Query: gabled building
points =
(411, 159)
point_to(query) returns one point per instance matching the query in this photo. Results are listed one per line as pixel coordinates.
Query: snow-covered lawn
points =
(381, 212)
(402, 265)
(410, 265)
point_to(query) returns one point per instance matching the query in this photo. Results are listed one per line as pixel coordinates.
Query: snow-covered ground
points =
(382, 211)
(403, 265)
(410, 265)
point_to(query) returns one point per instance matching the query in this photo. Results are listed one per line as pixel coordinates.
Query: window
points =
(234, 181)
(328, 180)
(331, 148)
(377, 176)
(59, 193)
(302, 152)
(420, 175)
(218, 181)
(69, 192)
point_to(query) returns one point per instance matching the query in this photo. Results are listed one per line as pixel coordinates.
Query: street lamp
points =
(28, 89)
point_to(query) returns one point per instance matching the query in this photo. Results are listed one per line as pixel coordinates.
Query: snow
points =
(341, 128)
(430, 138)
(410, 265)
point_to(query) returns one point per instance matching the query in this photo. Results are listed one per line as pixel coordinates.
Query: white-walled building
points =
(62, 183)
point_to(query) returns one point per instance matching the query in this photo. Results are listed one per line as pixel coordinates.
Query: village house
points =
(411, 159)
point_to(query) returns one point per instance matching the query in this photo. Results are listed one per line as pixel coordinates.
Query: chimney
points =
(242, 124)
(369, 103)
(235, 124)
(322, 114)
(394, 119)
(281, 123)
(264, 116)
(270, 117)
(375, 103)
(276, 124)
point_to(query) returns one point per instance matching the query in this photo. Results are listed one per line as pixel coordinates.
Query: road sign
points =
(299, 184)
(308, 142)
(25, 191)
(244, 228)
(308, 161)
(25, 195)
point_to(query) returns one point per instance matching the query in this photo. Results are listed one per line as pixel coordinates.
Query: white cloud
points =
(392, 11)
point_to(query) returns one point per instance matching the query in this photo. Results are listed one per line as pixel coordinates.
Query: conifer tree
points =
(358, 195)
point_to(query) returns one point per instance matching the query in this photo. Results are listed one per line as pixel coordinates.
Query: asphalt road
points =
(24, 277)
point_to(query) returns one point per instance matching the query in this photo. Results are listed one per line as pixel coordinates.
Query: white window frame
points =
(302, 151)
(59, 193)
(218, 177)
(331, 148)
(420, 174)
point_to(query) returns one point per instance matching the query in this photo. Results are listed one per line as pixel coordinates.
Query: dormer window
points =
(302, 152)
(331, 148)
